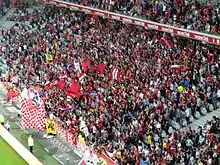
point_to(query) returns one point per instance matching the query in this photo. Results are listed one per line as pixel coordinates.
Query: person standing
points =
(8, 126)
(31, 143)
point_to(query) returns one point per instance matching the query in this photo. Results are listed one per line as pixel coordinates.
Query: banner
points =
(208, 38)
(80, 145)
(51, 126)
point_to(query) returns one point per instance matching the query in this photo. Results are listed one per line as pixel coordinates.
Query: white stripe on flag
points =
(114, 73)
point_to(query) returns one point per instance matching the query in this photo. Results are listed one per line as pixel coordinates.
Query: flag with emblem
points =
(49, 57)
(51, 126)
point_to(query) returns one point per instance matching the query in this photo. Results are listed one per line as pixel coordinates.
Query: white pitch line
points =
(36, 150)
(58, 160)
(46, 149)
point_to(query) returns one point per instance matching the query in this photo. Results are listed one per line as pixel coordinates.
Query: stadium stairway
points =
(3, 21)
(201, 119)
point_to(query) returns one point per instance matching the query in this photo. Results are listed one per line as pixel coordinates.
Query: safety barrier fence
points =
(206, 38)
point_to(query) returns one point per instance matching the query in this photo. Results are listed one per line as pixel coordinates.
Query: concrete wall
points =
(18, 147)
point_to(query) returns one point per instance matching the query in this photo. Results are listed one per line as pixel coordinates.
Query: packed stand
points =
(21, 13)
(194, 15)
(120, 88)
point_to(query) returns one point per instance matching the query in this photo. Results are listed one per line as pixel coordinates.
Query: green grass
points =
(38, 150)
(8, 156)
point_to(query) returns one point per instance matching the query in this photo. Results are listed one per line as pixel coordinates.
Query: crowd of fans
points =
(161, 80)
(196, 15)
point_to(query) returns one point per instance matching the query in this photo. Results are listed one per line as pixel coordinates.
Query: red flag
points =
(74, 86)
(85, 64)
(74, 89)
(61, 84)
(99, 68)
(11, 96)
(32, 116)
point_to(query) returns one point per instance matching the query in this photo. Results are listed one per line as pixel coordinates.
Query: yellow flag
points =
(51, 126)
(49, 57)
(81, 139)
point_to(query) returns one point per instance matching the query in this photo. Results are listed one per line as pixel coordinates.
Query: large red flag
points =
(32, 116)
(85, 64)
(99, 68)
(74, 86)
(61, 84)
(11, 96)
(74, 89)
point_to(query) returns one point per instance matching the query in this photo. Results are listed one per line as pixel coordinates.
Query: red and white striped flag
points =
(32, 116)
(115, 74)
(81, 76)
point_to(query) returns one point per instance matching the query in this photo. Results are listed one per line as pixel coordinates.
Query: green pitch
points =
(8, 156)
(38, 150)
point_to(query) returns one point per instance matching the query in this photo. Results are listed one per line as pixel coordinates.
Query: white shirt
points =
(7, 125)
(218, 93)
(188, 112)
(198, 102)
(30, 142)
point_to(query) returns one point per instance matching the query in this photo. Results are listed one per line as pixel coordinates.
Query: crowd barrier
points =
(79, 146)
(207, 38)
(70, 138)
(18, 147)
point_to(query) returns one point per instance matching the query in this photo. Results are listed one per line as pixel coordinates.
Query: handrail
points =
(208, 38)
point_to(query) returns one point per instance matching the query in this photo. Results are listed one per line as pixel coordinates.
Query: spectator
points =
(31, 143)
(193, 15)
(122, 88)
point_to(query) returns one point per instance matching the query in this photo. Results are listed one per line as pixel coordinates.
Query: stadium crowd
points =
(119, 85)
(194, 15)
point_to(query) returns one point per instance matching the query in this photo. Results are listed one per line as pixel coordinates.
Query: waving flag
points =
(61, 84)
(49, 57)
(32, 116)
(99, 68)
(115, 74)
(50, 126)
(74, 89)
(11, 96)
(35, 93)
(81, 76)
(85, 64)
